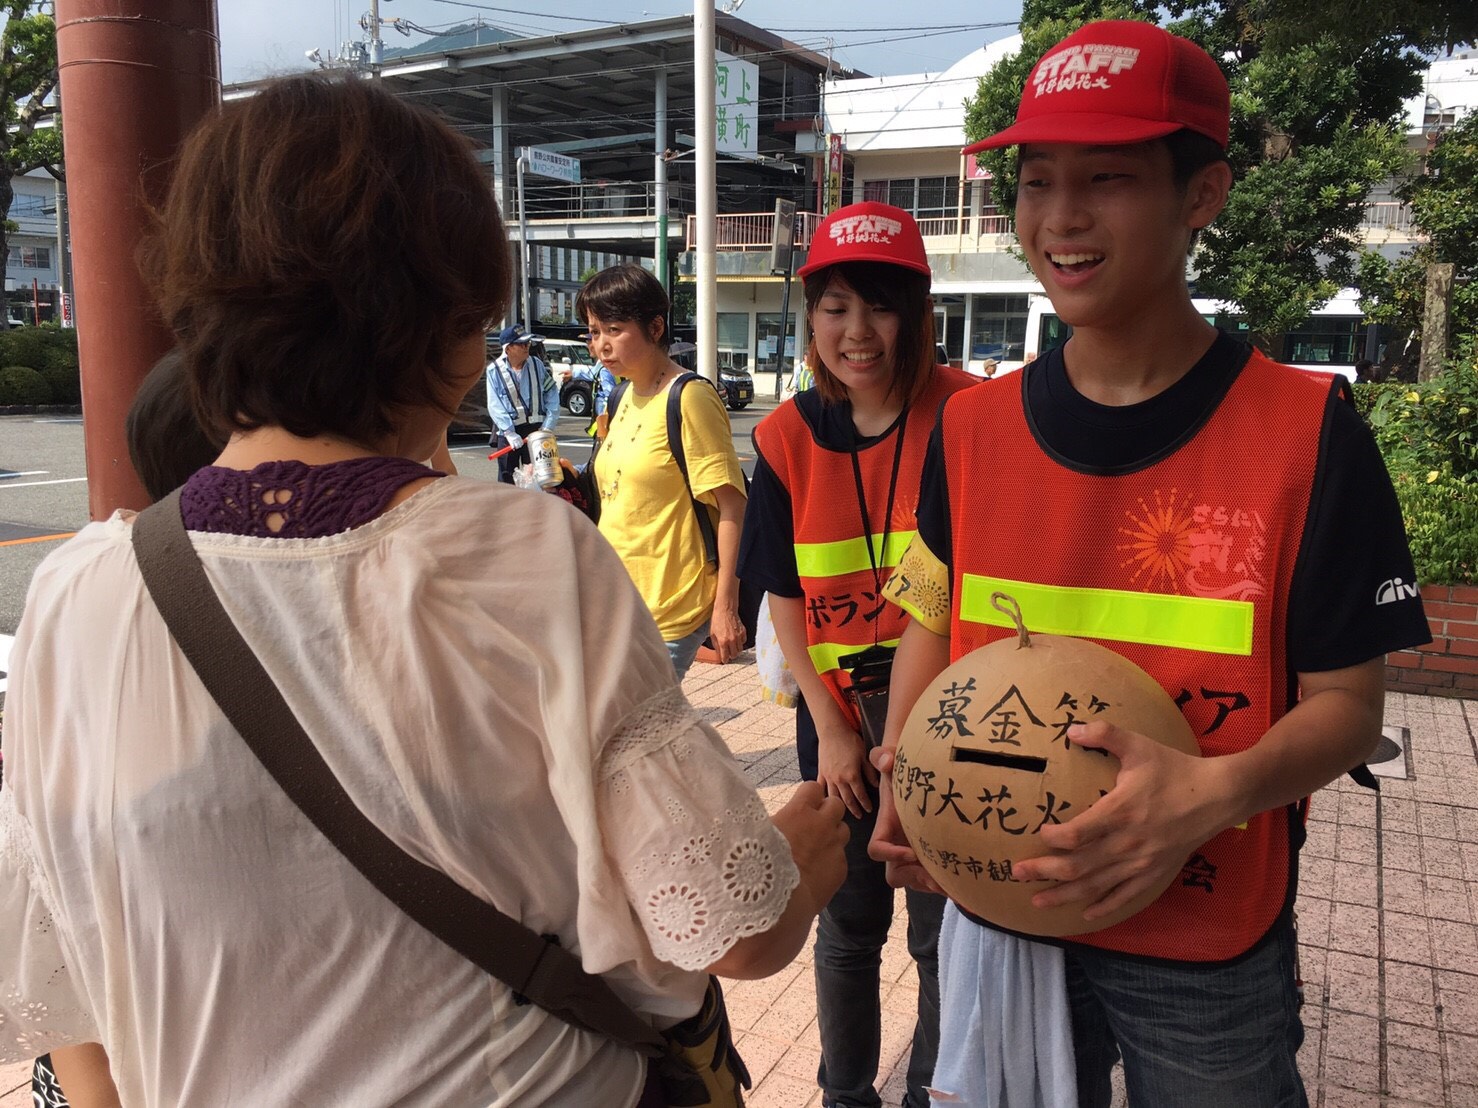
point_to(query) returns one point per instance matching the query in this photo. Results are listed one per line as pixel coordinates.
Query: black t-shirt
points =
(767, 548)
(1355, 540)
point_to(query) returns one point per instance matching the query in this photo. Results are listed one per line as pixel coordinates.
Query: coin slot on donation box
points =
(1024, 762)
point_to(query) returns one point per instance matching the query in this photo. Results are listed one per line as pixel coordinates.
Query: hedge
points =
(42, 366)
(21, 384)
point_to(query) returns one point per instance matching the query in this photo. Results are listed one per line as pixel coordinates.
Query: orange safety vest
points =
(845, 610)
(1185, 568)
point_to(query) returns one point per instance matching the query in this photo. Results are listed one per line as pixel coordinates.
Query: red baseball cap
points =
(867, 232)
(1115, 82)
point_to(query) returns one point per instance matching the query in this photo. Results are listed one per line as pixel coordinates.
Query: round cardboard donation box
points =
(984, 763)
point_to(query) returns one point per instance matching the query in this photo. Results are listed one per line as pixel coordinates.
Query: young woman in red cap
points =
(831, 510)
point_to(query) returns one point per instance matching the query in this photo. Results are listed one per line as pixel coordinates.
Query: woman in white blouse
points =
(329, 259)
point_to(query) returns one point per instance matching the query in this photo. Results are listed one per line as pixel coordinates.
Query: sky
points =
(881, 37)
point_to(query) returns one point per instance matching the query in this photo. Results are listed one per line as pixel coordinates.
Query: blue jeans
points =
(849, 946)
(682, 651)
(1208, 1036)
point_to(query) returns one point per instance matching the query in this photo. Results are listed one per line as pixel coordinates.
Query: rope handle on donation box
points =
(534, 966)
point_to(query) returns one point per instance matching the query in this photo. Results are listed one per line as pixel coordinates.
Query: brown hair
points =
(899, 289)
(165, 440)
(625, 294)
(322, 249)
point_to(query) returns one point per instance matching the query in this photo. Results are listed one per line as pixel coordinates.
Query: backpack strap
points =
(615, 398)
(679, 455)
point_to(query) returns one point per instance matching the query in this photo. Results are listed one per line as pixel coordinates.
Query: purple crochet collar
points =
(294, 500)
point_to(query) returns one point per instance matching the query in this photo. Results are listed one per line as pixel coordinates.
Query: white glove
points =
(513, 438)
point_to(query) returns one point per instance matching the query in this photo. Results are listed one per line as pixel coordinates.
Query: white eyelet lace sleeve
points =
(703, 865)
(39, 1007)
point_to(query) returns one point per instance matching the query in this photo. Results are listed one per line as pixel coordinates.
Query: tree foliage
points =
(1444, 205)
(28, 76)
(1314, 127)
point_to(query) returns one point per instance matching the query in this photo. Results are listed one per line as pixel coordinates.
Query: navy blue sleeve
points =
(1353, 595)
(767, 547)
(933, 511)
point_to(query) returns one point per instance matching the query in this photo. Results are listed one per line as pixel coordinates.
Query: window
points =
(1326, 340)
(767, 340)
(733, 338)
(921, 197)
(31, 204)
(998, 328)
(29, 257)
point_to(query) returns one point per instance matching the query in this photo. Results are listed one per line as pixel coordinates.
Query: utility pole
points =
(377, 48)
(707, 186)
(136, 82)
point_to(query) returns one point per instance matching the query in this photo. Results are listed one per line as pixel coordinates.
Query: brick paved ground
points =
(1388, 925)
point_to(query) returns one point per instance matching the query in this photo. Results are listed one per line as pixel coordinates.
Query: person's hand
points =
(726, 632)
(513, 439)
(842, 765)
(888, 844)
(812, 823)
(1163, 806)
(569, 467)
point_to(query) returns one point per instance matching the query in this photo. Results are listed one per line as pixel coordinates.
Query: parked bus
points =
(1333, 338)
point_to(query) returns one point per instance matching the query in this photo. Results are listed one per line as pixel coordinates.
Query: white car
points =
(563, 357)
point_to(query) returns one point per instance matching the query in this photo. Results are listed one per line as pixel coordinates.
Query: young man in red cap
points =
(1222, 521)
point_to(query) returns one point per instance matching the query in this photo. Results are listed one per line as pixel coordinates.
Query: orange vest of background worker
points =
(839, 562)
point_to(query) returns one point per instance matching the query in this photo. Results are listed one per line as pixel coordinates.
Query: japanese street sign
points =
(546, 163)
(736, 87)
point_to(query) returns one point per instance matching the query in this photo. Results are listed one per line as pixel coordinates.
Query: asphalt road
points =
(43, 489)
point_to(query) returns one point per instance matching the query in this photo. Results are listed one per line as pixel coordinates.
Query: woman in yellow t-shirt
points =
(646, 513)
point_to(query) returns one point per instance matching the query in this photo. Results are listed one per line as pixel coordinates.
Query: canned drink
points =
(544, 457)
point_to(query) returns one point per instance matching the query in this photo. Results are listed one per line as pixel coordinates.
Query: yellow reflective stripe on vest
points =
(834, 559)
(827, 656)
(1187, 622)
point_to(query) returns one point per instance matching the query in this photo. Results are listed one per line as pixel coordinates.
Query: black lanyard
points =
(874, 557)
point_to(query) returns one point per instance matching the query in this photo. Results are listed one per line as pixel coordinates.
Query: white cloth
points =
(777, 683)
(1005, 1030)
(158, 892)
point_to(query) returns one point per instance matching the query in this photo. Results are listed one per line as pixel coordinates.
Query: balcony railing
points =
(753, 230)
(603, 200)
(1387, 215)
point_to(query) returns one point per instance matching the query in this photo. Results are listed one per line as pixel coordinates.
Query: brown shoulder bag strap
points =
(532, 966)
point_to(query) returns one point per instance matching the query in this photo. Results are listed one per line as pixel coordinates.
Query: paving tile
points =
(1403, 890)
(1454, 945)
(1345, 1080)
(1313, 914)
(1413, 1036)
(1448, 898)
(1351, 1037)
(1415, 1075)
(782, 1091)
(1411, 983)
(1354, 843)
(1437, 822)
(1401, 851)
(1462, 1057)
(1355, 883)
(1315, 877)
(1408, 937)
(800, 1061)
(1397, 814)
(1355, 928)
(760, 1054)
(1353, 983)
(1358, 808)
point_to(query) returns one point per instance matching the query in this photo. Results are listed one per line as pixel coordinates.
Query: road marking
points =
(24, 473)
(33, 484)
(37, 538)
(76, 419)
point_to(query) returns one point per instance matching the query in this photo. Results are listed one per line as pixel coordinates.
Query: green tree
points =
(1444, 204)
(28, 75)
(1314, 127)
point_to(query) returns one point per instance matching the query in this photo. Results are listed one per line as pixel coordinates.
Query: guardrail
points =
(1387, 215)
(754, 230)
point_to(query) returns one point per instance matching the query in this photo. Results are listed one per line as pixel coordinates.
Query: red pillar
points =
(136, 76)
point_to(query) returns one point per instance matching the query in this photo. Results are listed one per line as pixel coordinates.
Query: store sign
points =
(546, 163)
(974, 171)
(833, 173)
